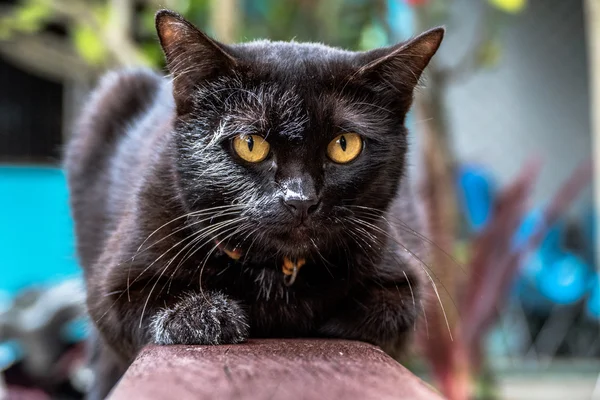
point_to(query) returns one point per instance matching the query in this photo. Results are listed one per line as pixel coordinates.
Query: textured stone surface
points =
(270, 369)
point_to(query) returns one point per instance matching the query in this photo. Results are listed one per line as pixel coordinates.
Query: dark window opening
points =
(30, 117)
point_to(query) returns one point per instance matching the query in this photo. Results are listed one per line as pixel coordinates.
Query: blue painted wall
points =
(36, 230)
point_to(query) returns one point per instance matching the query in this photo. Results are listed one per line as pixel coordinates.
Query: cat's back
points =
(112, 136)
(118, 100)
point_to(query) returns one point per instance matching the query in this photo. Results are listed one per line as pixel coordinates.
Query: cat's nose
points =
(301, 207)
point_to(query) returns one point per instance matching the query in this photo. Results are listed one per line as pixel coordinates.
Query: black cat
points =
(258, 193)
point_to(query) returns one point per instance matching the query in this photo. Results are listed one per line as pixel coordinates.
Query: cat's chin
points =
(296, 242)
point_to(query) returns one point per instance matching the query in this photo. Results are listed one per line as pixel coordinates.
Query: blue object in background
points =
(564, 280)
(76, 330)
(476, 193)
(10, 353)
(400, 19)
(551, 275)
(593, 303)
(526, 288)
(533, 221)
(589, 234)
(548, 280)
(36, 230)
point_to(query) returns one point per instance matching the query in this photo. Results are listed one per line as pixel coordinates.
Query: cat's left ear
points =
(191, 56)
(401, 65)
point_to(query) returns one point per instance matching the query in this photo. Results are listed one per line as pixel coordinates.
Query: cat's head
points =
(286, 140)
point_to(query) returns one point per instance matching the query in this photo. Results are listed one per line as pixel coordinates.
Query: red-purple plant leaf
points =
(490, 249)
(491, 271)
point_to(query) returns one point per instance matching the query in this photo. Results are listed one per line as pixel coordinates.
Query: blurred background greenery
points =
(107, 34)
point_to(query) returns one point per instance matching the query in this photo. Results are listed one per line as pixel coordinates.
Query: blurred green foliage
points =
(27, 17)
(93, 32)
(112, 33)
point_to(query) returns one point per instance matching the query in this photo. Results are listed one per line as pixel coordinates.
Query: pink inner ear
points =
(171, 29)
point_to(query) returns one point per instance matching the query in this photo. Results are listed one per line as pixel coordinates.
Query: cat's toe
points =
(201, 319)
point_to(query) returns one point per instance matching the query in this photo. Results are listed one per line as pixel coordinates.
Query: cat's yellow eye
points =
(251, 148)
(345, 148)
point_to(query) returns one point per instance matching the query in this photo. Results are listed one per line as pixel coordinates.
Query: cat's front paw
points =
(200, 318)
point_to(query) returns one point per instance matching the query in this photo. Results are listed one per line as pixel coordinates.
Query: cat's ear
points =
(191, 56)
(401, 65)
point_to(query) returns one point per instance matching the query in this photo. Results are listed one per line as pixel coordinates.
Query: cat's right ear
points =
(191, 56)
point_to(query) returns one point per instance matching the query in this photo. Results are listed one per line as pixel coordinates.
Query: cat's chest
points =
(275, 309)
(289, 314)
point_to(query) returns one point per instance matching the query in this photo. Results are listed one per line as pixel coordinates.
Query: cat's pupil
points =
(250, 142)
(343, 143)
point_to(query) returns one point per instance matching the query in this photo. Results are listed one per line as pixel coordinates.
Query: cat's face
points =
(287, 140)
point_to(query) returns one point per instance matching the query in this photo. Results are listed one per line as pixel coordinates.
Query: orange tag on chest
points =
(234, 254)
(289, 265)
(290, 269)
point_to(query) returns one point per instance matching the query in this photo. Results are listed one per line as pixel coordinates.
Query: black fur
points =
(155, 183)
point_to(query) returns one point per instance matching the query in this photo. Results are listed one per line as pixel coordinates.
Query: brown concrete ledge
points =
(270, 369)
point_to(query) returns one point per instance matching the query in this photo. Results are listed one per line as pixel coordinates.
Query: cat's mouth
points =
(278, 239)
(296, 241)
(302, 230)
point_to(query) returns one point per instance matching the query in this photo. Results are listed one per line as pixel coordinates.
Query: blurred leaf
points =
(27, 18)
(182, 6)
(438, 12)
(147, 21)
(509, 6)
(31, 15)
(102, 12)
(6, 28)
(489, 54)
(152, 53)
(461, 252)
(89, 45)
(372, 36)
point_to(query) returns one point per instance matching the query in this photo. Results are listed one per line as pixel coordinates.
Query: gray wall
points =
(533, 103)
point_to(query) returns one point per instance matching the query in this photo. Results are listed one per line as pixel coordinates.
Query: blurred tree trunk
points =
(438, 189)
(225, 19)
(439, 195)
(119, 33)
(438, 183)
